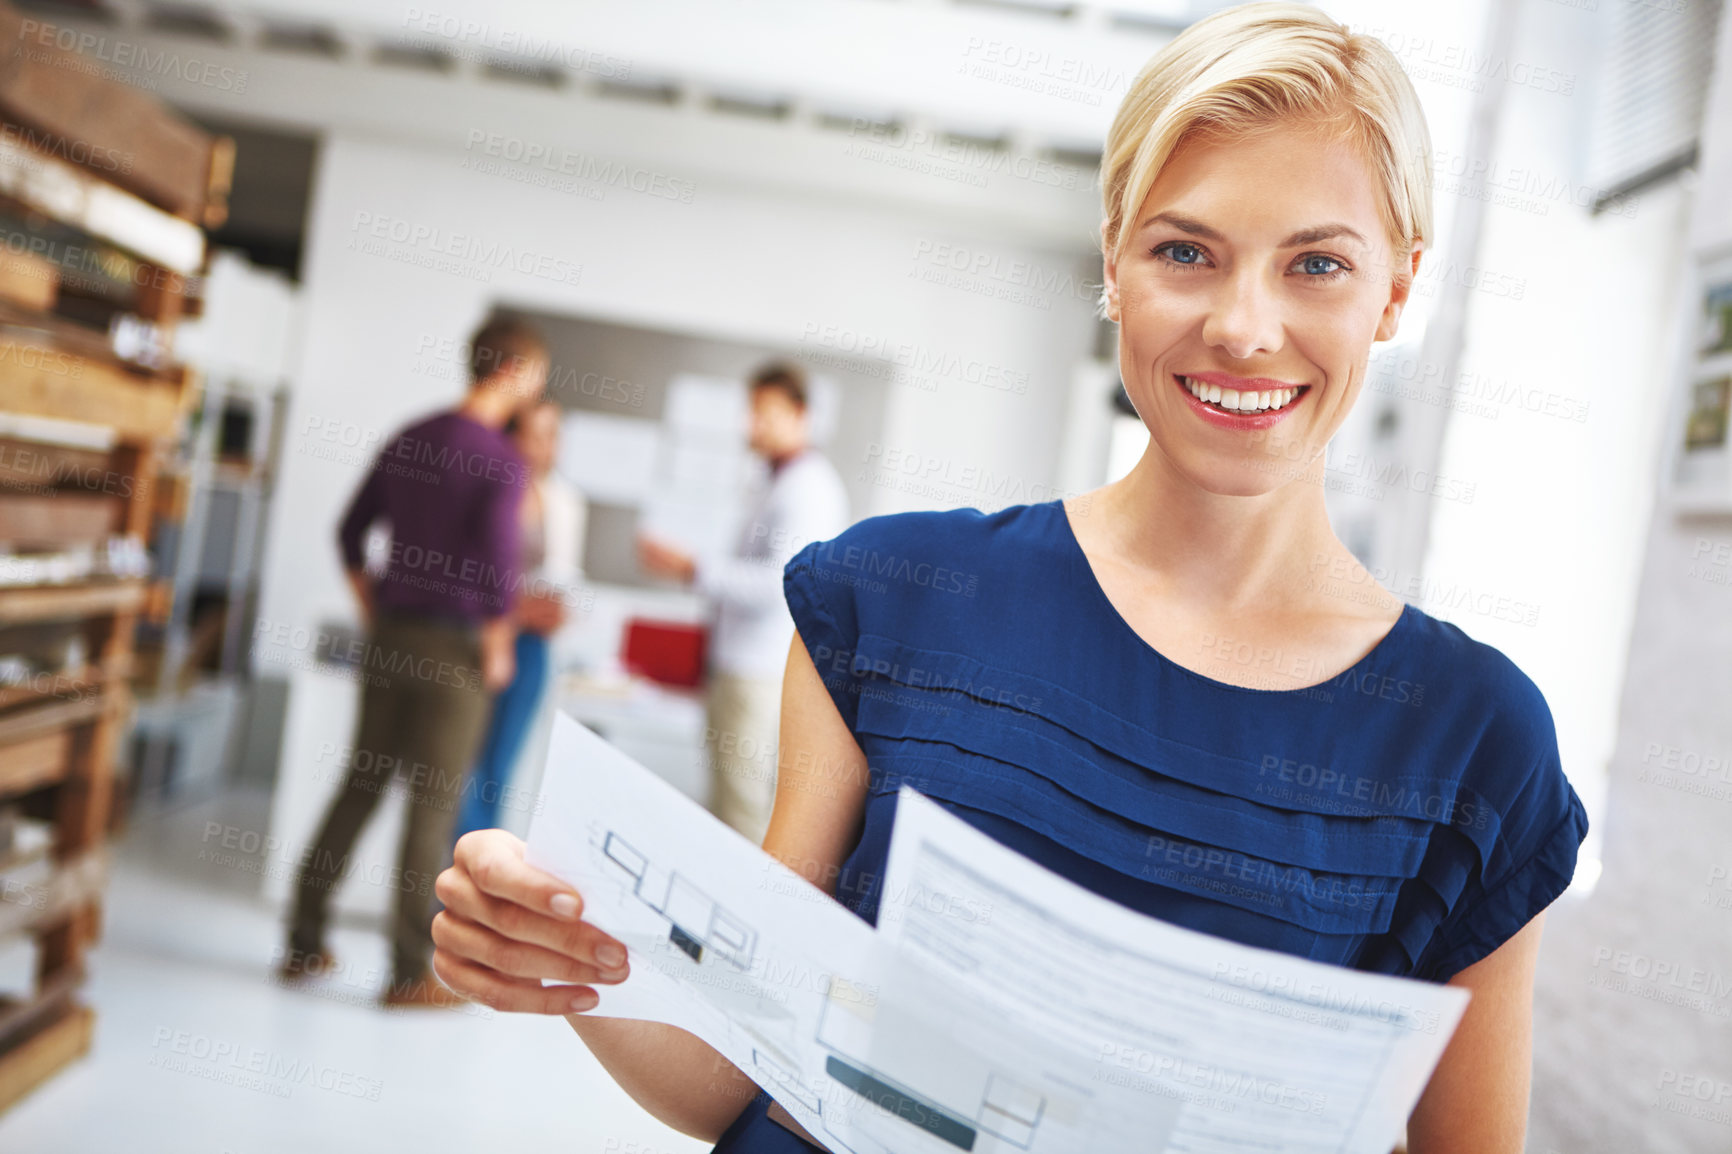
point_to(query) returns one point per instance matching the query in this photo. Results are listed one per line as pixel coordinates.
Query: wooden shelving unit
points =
(100, 260)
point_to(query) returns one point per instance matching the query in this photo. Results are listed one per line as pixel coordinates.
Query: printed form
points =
(997, 1007)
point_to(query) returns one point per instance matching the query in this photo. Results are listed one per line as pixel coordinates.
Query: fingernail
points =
(564, 905)
(610, 955)
(584, 1001)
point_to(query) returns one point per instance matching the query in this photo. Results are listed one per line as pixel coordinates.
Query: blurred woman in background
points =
(552, 515)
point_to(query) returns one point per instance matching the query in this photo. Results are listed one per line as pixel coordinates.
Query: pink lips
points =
(1261, 419)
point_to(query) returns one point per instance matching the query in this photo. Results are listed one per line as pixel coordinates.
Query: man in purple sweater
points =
(440, 643)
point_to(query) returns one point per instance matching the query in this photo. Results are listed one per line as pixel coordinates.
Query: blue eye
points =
(1190, 255)
(1309, 260)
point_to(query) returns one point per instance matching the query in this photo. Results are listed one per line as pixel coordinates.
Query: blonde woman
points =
(1151, 690)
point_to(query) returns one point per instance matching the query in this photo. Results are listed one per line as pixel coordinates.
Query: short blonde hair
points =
(1245, 69)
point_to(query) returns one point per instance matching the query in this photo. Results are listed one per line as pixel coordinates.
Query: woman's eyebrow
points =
(1310, 235)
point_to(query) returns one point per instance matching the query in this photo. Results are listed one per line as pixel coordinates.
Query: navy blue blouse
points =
(1405, 817)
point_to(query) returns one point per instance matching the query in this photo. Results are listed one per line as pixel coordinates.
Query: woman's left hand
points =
(539, 613)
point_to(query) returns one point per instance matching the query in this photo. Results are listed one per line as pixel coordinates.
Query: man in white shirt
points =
(804, 502)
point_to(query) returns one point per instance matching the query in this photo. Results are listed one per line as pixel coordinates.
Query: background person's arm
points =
(362, 585)
(564, 515)
(499, 935)
(1477, 1100)
(748, 585)
(499, 551)
(542, 607)
(365, 507)
(809, 506)
(498, 652)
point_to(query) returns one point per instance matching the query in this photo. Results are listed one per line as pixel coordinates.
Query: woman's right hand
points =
(506, 925)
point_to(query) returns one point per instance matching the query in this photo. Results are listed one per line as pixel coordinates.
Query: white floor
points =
(197, 1051)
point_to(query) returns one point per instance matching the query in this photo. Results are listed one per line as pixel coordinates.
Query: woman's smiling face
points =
(1252, 284)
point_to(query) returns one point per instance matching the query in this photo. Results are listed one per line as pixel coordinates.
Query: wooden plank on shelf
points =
(120, 474)
(43, 686)
(113, 129)
(69, 336)
(34, 762)
(74, 197)
(48, 716)
(29, 280)
(70, 602)
(38, 466)
(50, 382)
(49, 431)
(47, 523)
(38, 1057)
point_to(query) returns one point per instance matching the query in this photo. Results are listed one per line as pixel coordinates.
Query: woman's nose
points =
(1244, 317)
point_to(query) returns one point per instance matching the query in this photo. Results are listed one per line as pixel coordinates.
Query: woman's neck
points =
(1233, 553)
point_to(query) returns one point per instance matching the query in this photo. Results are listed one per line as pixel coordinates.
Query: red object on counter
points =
(669, 652)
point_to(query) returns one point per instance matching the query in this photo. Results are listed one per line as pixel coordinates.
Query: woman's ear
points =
(1109, 276)
(1400, 288)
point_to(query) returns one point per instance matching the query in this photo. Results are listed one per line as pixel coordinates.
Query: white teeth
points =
(1235, 401)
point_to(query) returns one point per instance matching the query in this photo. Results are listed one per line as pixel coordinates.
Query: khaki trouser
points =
(423, 713)
(741, 719)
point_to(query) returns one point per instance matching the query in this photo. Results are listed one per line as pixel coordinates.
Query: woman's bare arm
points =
(820, 779)
(502, 932)
(1477, 1101)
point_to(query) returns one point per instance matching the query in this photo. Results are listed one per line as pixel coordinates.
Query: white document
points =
(998, 1007)
(1075, 1024)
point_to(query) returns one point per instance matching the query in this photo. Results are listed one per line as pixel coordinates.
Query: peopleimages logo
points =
(583, 168)
(933, 259)
(457, 252)
(1339, 791)
(89, 47)
(1525, 189)
(77, 152)
(906, 362)
(476, 39)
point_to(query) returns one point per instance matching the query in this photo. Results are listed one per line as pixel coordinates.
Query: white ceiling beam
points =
(977, 64)
(1016, 194)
